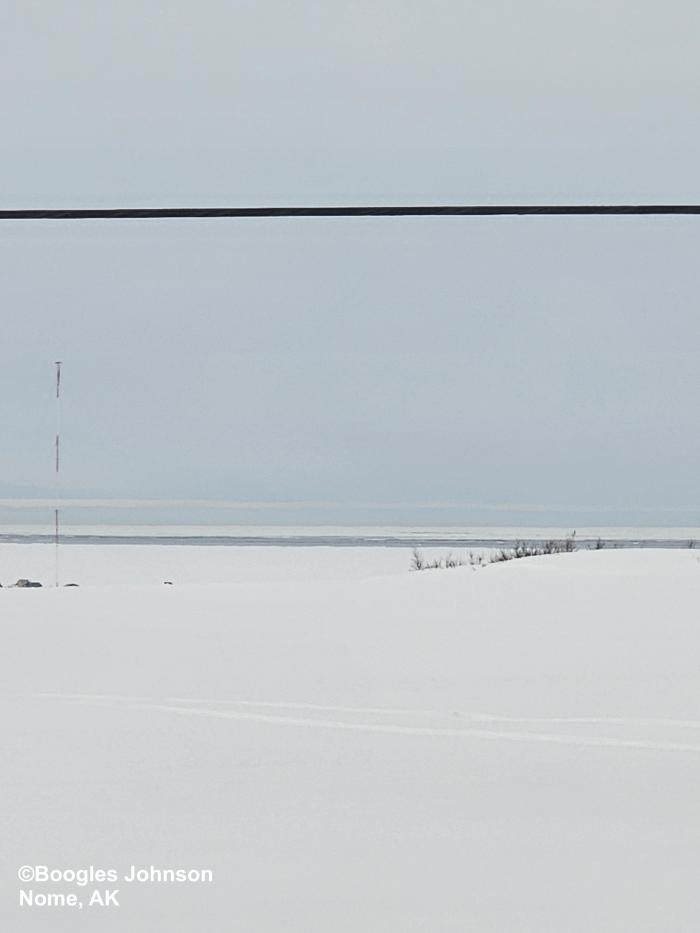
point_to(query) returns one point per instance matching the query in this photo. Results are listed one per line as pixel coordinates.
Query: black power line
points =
(442, 210)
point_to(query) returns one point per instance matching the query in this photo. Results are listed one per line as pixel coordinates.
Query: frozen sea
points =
(406, 536)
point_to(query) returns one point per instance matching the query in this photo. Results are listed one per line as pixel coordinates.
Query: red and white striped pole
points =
(58, 461)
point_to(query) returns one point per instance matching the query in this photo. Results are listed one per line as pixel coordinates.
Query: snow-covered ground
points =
(352, 747)
(107, 564)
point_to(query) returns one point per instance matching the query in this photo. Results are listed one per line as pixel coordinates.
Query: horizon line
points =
(22, 502)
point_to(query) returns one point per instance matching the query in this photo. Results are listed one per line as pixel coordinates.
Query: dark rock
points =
(27, 583)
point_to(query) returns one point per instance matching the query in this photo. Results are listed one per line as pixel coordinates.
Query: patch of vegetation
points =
(418, 561)
(521, 549)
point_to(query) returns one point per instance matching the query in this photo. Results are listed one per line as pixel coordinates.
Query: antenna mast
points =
(57, 462)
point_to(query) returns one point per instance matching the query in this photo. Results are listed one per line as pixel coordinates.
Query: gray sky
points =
(546, 361)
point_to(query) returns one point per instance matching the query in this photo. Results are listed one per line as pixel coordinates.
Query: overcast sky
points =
(542, 361)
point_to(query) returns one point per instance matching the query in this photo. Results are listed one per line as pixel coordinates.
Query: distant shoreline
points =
(342, 540)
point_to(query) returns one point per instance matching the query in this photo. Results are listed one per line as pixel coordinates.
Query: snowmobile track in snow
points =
(270, 713)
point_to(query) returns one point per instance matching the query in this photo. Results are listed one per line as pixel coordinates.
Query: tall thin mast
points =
(58, 461)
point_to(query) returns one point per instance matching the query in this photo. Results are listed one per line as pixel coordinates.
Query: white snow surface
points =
(103, 564)
(349, 746)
